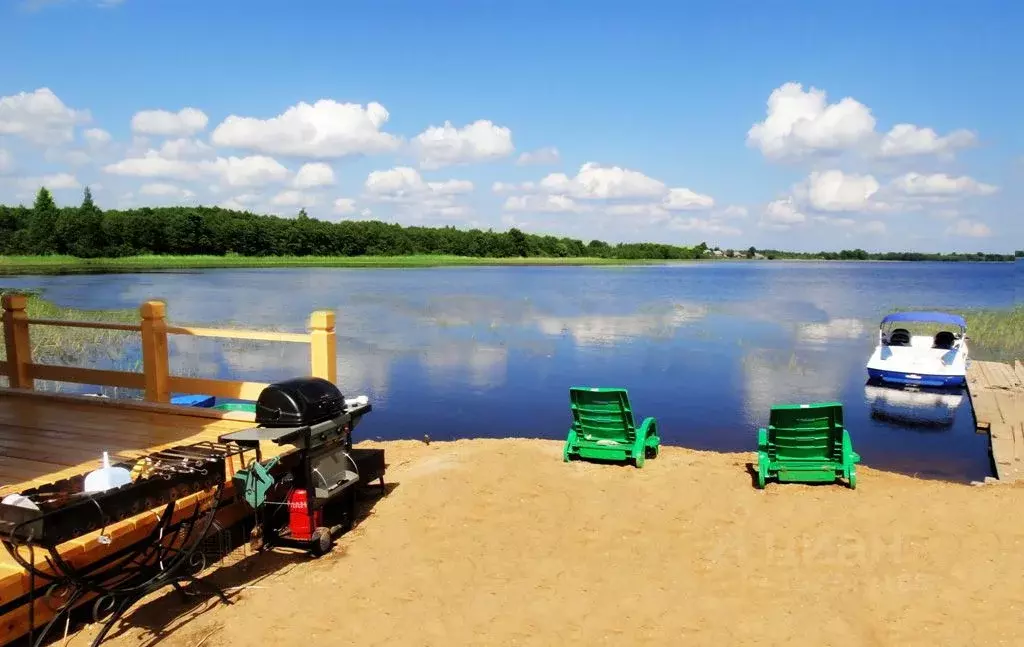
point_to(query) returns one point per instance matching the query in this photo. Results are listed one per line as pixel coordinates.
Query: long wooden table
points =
(45, 437)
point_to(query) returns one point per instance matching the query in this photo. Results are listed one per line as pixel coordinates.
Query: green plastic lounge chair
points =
(806, 443)
(603, 427)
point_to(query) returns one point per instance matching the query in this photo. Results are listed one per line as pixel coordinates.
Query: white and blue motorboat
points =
(934, 360)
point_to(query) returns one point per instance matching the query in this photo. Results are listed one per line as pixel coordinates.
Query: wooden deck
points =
(997, 397)
(47, 437)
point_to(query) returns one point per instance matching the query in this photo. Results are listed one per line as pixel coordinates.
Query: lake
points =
(706, 348)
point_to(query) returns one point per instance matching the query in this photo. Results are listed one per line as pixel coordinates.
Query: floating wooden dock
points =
(997, 398)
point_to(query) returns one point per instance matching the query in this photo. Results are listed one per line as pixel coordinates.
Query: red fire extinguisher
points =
(300, 522)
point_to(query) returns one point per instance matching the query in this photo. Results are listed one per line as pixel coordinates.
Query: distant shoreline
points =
(28, 265)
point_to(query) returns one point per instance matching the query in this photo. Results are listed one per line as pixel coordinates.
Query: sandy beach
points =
(498, 542)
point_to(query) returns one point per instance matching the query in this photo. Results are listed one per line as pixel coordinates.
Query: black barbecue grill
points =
(312, 415)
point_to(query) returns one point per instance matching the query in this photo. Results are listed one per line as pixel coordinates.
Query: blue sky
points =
(892, 126)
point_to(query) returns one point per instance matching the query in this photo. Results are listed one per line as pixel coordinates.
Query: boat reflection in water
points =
(913, 406)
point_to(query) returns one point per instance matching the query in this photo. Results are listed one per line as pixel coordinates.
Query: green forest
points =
(88, 232)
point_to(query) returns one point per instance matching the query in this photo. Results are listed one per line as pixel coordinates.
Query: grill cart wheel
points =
(321, 541)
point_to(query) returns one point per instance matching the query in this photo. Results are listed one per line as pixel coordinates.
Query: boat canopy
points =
(930, 317)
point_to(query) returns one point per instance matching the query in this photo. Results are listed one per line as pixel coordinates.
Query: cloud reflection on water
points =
(586, 330)
(834, 329)
(482, 366)
(773, 376)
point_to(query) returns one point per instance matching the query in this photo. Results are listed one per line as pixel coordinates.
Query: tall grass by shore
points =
(76, 346)
(996, 333)
(114, 349)
(70, 264)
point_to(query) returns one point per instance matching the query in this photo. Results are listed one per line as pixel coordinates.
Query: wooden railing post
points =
(155, 357)
(323, 346)
(16, 339)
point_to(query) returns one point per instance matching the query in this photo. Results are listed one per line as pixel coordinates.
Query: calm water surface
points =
(706, 348)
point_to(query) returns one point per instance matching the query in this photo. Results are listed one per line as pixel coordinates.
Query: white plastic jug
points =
(107, 477)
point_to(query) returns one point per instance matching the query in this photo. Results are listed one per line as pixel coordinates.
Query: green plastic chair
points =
(806, 443)
(603, 428)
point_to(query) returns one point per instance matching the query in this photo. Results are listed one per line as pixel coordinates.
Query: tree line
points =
(86, 231)
(861, 255)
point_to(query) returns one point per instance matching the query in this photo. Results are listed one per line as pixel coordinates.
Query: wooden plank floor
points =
(997, 397)
(43, 439)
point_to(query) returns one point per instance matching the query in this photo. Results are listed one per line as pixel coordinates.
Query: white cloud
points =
(313, 175)
(403, 182)
(617, 193)
(969, 229)
(233, 204)
(324, 129)
(6, 161)
(661, 213)
(97, 137)
(733, 211)
(293, 198)
(254, 170)
(546, 155)
(53, 182)
(185, 148)
(799, 123)
(417, 198)
(940, 184)
(782, 214)
(905, 140)
(344, 206)
(185, 122)
(542, 204)
(686, 200)
(704, 225)
(874, 227)
(480, 141)
(651, 212)
(946, 214)
(594, 181)
(834, 190)
(242, 202)
(510, 187)
(152, 164)
(232, 171)
(163, 190)
(39, 117)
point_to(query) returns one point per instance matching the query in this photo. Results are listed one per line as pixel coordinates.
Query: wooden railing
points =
(155, 380)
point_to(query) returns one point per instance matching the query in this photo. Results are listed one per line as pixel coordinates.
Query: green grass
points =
(70, 264)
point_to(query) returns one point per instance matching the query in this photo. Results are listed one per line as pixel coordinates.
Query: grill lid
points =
(299, 401)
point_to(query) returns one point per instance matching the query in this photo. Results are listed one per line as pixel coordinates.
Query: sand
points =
(498, 542)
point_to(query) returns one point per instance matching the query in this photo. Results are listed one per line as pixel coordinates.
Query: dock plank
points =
(43, 440)
(997, 399)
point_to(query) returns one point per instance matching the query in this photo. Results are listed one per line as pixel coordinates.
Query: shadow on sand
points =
(234, 567)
